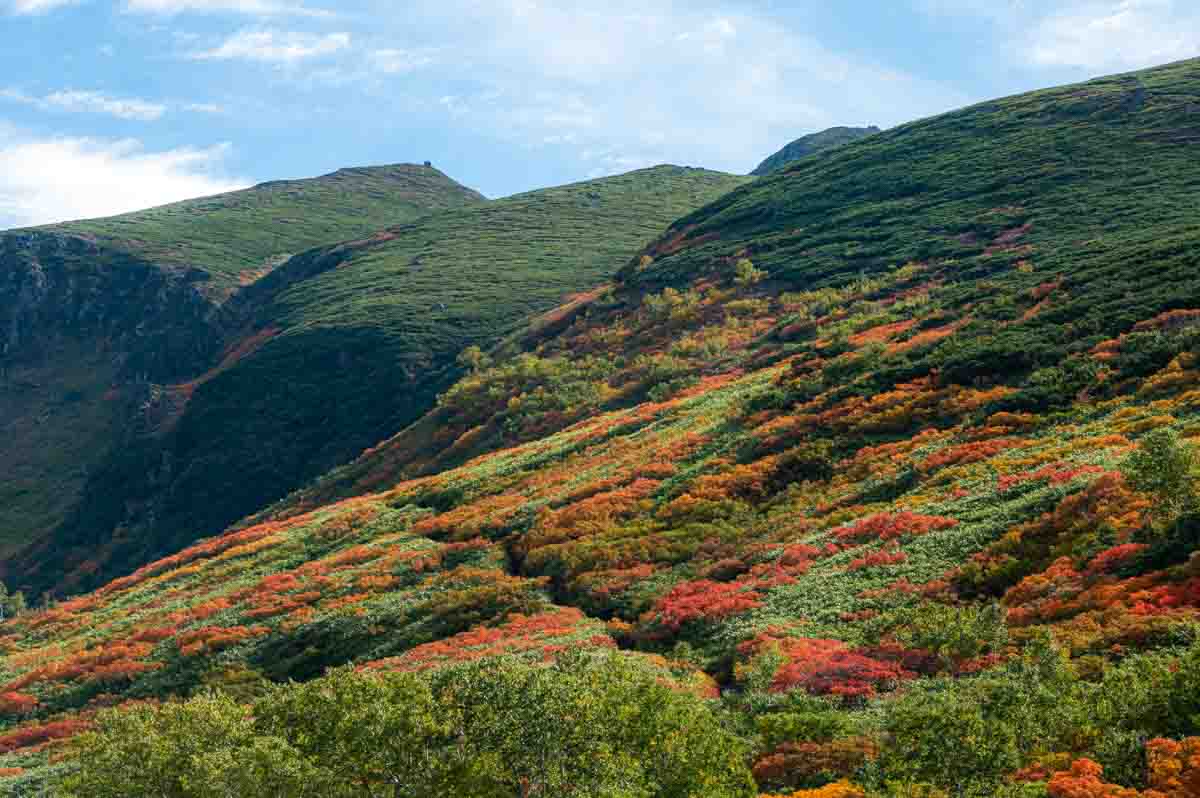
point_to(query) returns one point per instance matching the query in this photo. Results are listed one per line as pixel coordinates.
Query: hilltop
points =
(238, 237)
(338, 348)
(811, 144)
(889, 456)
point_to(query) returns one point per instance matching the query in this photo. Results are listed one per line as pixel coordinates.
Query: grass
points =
(235, 237)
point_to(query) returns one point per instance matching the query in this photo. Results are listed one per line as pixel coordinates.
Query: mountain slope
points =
(898, 445)
(95, 312)
(811, 144)
(341, 347)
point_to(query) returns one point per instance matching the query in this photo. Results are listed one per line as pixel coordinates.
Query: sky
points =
(108, 106)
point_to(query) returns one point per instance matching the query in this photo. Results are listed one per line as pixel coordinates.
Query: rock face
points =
(156, 323)
(813, 143)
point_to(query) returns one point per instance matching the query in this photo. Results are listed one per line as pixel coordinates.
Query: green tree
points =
(1164, 466)
(385, 735)
(204, 748)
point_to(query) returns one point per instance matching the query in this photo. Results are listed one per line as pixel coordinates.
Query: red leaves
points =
(892, 526)
(32, 736)
(14, 703)
(831, 667)
(704, 600)
(878, 559)
(113, 662)
(1109, 560)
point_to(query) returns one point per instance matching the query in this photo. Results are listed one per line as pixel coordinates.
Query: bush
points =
(585, 726)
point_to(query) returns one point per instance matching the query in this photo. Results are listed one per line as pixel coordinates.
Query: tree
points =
(204, 748)
(1164, 466)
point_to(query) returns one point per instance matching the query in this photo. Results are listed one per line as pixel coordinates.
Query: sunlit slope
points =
(346, 345)
(237, 237)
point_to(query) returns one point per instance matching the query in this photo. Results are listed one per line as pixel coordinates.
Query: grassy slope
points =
(963, 327)
(359, 348)
(236, 236)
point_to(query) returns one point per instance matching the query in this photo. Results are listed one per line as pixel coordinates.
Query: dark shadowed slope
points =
(94, 313)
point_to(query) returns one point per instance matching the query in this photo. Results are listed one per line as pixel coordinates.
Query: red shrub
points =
(706, 600)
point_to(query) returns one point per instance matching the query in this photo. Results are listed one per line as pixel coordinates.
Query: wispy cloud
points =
(35, 6)
(272, 46)
(1095, 35)
(250, 7)
(54, 179)
(1116, 35)
(636, 82)
(392, 61)
(93, 102)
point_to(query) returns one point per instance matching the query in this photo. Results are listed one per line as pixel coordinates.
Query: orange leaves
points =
(792, 764)
(966, 453)
(704, 600)
(838, 789)
(590, 515)
(1174, 773)
(112, 662)
(543, 635)
(1175, 766)
(209, 639)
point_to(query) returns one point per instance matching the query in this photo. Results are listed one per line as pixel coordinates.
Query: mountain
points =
(337, 348)
(95, 313)
(890, 455)
(813, 143)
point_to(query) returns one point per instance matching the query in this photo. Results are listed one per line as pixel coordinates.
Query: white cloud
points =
(637, 82)
(93, 102)
(280, 47)
(392, 61)
(204, 108)
(48, 180)
(1096, 35)
(36, 6)
(251, 7)
(1116, 35)
(97, 103)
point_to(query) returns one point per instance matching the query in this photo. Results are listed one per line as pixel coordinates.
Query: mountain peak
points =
(813, 143)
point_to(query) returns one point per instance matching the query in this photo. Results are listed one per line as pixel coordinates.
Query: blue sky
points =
(112, 105)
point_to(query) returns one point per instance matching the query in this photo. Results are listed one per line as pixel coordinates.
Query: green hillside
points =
(886, 467)
(811, 144)
(343, 347)
(238, 237)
